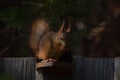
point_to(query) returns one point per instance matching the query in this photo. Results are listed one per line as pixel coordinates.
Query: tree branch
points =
(33, 3)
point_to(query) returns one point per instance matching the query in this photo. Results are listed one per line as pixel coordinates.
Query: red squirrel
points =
(45, 43)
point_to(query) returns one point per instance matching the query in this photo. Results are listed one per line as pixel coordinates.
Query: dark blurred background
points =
(95, 25)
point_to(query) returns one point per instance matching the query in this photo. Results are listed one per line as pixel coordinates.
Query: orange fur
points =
(45, 43)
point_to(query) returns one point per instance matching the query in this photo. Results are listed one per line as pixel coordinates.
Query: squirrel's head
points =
(60, 38)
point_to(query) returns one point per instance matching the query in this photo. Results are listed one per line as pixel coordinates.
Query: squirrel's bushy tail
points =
(39, 28)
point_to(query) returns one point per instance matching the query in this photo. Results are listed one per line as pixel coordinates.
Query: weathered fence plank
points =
(93, 68)
(84, 69)
(18, 68)
(117, 68)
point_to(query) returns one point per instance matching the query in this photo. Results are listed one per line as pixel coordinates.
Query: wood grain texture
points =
(18, 68)
(93, 68)
(84, 69)
(117, 68)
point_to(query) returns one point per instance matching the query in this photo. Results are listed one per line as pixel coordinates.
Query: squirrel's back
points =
(39, 28)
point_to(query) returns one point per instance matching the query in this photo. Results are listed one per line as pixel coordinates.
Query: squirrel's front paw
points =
(49, 60)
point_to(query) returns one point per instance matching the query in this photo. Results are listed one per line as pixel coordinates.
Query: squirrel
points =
(45, 43)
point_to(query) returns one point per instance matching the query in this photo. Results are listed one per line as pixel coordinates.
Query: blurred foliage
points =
(50, 9)
(6, 77)
(19, 14)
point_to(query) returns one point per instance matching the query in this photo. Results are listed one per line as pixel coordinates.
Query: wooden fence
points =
(96, 68)
(84, 69)
(17, 68)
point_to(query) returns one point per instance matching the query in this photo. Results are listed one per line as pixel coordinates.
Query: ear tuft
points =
(62, 26)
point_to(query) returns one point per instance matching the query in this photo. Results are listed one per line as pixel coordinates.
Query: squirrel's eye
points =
(62, 38)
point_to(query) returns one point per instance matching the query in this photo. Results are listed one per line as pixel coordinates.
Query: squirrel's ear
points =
(62, 26)
(69, 27)
(69, 24)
